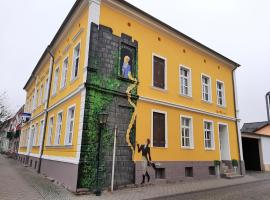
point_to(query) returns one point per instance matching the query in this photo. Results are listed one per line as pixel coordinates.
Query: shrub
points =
(217, 163)
(234, 163)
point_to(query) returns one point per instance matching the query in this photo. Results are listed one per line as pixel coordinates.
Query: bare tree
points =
(4, 110)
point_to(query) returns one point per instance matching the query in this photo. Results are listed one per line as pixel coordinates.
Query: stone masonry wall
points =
(106, 91)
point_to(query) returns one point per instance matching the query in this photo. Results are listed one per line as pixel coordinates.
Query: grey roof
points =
(253, 127)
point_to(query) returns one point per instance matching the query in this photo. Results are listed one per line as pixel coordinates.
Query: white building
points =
(256, 145)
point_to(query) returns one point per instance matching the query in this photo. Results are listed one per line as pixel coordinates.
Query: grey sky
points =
(238, 29)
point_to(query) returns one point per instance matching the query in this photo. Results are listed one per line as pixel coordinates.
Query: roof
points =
(125, 3)
(253, 127)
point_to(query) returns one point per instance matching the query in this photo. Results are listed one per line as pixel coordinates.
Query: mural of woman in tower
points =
(127, 61)
(126, 68)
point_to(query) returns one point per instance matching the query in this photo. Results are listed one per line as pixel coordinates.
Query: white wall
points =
(265, 143)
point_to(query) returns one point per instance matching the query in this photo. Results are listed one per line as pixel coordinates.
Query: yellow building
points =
(153, 82)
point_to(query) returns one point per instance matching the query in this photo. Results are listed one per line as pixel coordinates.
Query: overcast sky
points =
(238, 29)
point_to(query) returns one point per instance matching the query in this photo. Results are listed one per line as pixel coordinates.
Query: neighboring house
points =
(4, 136)
(256, 145)
(152, 81)
(15, 131)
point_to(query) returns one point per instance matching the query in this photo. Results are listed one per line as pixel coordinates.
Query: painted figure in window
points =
(146, 160)
(126, 68)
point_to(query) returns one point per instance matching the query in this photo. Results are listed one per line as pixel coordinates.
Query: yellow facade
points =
(153, 41)
(67, 96)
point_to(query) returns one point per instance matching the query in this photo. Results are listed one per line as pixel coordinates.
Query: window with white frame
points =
(40, 95)
(220, 93)
(64, 73)
(70, 125)
(159, 128)
(33, 103)
(41, 129)
(55, 81)
(186, 132)
(206, 88)
(46, 88)
(58, 130)
(208, 135)
(37, 98)
(27, 136)
(185, 81)
(50, 131)
(76, 62)
(35, 134)
(159, 72)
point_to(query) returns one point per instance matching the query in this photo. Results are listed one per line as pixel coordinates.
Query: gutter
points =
(48, 50)
(239, 141)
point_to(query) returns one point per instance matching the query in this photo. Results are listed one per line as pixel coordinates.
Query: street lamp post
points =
(102, 117)
(267, 98)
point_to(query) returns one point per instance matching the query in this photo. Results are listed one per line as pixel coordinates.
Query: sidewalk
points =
(18, 182)
(153, 191)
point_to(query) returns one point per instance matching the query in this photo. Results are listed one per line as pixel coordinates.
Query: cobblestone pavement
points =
(249, 191)
(20, 183)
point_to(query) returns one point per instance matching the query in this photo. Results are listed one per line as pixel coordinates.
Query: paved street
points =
(250, 191)
(20, 183)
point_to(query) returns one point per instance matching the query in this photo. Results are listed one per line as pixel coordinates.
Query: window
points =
(46, 88)
(64, 73)
(189, 171)
(159, 72)
(58, 128)
(70, 125)
(55, 80)
(49, 139)
(186, 132)
(212, 170)
(33, 103)
(40, 95)
(35, 134)
(208, 135)
(220, 94)
(185, 81)
(206, 88)
(76, 61)
(159, 129)
(41, 129)
(37, 98)
(32, 136)
(160, 173)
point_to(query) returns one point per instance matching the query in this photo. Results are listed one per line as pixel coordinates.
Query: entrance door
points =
(224, 142)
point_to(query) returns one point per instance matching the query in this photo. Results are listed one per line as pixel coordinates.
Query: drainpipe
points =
(48, 50)
(236, 110)
(267, 98)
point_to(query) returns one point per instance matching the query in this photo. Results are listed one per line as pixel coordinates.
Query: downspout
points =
(239, 140)
(48, 50)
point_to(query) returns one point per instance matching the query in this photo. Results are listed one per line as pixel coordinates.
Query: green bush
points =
(217, 163)
(234, 163)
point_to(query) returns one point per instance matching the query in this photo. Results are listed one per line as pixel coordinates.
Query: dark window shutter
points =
(159, 72)
(158, 129)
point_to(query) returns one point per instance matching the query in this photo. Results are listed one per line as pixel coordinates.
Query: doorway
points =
(251, 153)
(224, 143)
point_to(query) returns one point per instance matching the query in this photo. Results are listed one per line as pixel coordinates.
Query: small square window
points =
(189, 171)
(160, 173)
(212, 170)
